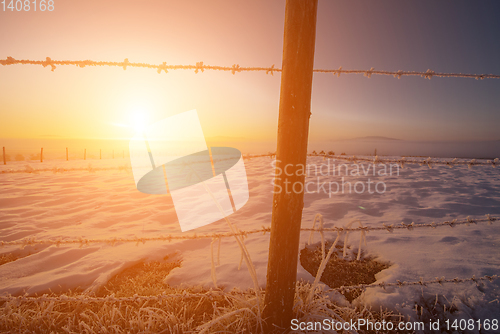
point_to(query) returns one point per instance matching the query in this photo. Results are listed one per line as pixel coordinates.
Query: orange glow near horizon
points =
(87, 103)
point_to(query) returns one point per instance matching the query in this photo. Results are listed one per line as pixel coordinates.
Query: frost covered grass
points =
(326, 304)
(6, 258)
(177, 315)
(106, 206)
(340, 271)
(237, 311)
(143, 278)
(11, 257)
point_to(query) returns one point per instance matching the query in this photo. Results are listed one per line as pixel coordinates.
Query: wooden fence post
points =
(4, 157)
(67, 154)
(84, 154)
(293, 129)
(41, 155)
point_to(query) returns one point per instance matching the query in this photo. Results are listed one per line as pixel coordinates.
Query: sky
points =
(445, 36)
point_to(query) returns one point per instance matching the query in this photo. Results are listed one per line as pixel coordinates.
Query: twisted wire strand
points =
(425, 162)
(113, 241)
(398, 74)
(111, 299)
(402, 161)
(217, 293)
(31, 170)
(201, 67)
(268, 70)
(89, 168)
(438, 280)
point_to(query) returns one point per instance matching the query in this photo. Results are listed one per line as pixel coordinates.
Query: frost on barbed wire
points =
(425, 162)
(234, 311)
(201, 67)
(198, 67)
(310, 294)
(86, 299)
(421, 282)
(245, 254)
(55, 170)
(238, 233)
(403, 160)
(430, 162)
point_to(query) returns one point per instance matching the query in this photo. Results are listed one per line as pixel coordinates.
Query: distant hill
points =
(375, 138)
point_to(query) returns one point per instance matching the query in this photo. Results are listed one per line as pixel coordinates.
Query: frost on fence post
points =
(206, 184)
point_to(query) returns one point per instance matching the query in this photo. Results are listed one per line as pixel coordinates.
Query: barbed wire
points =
(345, 232)
(401, 162)
(90, 169)
(86, 299)
(111, 299)
(201, 67)
(425, 162)
(138, 240)
(217, 237)
(398, 74)
(398, 283)
(404, 226)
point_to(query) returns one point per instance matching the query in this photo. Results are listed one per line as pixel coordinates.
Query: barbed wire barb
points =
(200, 66)
(376, 160)
(421, 282)
(239, 233)
(86, 299)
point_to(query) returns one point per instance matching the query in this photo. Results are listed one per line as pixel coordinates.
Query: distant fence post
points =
(84, 154)
(293, 129)
(67, 154)
(41, 155)
(4, 157)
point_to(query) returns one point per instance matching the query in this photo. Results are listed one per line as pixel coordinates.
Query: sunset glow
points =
(138, 120)
(245, 167)
(74, 102)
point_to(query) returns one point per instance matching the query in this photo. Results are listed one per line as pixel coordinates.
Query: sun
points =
(138, 120)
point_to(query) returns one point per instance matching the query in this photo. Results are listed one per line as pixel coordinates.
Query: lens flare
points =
(138, 121)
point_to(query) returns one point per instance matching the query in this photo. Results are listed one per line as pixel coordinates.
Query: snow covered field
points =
(106, 204)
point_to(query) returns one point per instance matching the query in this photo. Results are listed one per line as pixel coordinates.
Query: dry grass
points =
(183, 314)
(6, 258)
(235, 312)
(342, 272)
(322, 307)
(11, 257)
(144, 278)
